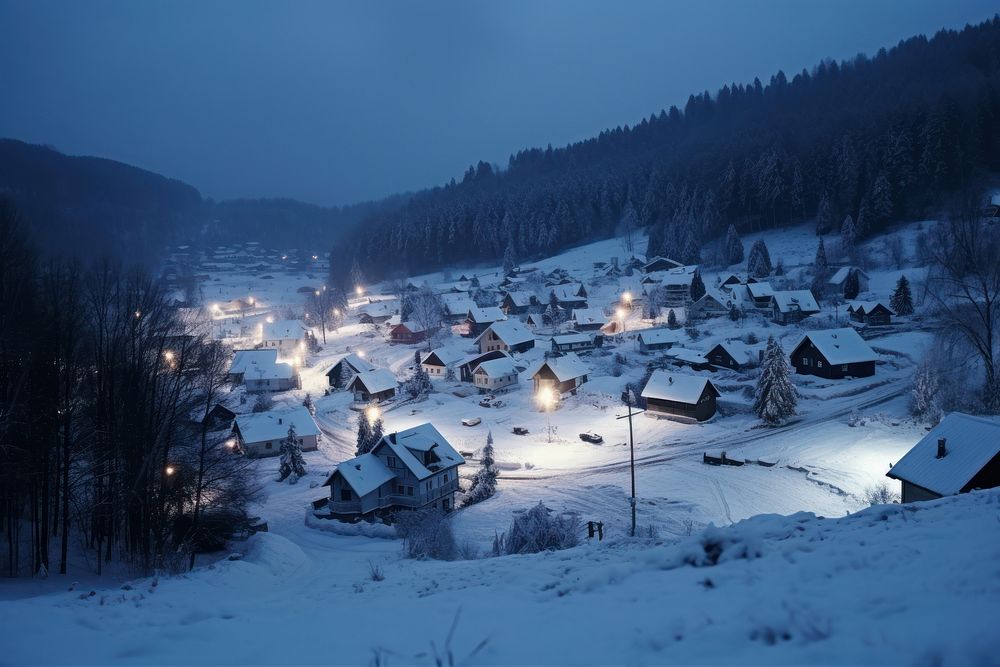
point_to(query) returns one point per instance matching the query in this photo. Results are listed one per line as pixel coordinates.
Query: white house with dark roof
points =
(260, 434)
(495, 374)
(960, 454)
(412, 469)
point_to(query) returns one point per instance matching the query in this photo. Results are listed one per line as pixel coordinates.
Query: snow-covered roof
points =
(375, 381)
(667, 386)
(460, 305)
(488, 314)
(446, 356)
(422, 438)
(788, 301)
(519, 298)
(568, 292)
(511, 332)
(497, 367)
(840, 346)
(473, 359)
(740, 351)
(283, 330)
(679, 277)
(246, 359)
(841, 274)
(365, 473)
(356, 363)
(970, 443)
(866, 307)
(380, 308)
(273, 425)
(687, 354)
(658, 336)
(588, 316)
(657, 260)
(760, 290)
(572, 339)
(712, 294)
(565, 367)
(411, 326)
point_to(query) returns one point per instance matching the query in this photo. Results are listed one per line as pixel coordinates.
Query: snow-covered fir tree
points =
(824, 216)
(759, 261)
(734, 246)
(419, 384)
(292, 465)
(449, 374)
(901, 301)
(774, 398)
(307, 403)
(509, 260)
(672, 319)
(923, 395)
(820, 270)
(848, 234)
(697, 286)
(484, 482)
(364, 441)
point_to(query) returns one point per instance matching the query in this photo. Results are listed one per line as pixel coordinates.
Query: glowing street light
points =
(372, 413)
(546, 398)
(627, 298)
(317, 292)
(361, 353)
(359, 290)
(170, 470)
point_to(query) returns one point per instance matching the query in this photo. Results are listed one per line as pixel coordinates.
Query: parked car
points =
(485, 403)
(471, 421)
(520, 430)
(590, 436)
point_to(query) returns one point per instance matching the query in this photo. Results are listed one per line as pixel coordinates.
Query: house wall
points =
(435, 371)
(808, 361)
(719, 357)
(403, 492)
(263, 386)
(285, 347)
(266, 448)
(912, 493)
(361, 395)
(987, 478)
(483, 381)
(704, 409)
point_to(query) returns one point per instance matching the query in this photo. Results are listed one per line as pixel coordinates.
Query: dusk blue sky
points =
(338, 102)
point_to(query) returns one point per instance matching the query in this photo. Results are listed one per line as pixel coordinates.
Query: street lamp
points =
(372, 413)
(359, 290)
(546, 398)
(628, 398)
(170, 470)
(620, 314)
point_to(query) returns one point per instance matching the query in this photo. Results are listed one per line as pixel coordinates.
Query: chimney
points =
(942, 450)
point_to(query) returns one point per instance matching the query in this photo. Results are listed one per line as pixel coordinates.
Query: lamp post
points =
(546, 401)
(627, 397)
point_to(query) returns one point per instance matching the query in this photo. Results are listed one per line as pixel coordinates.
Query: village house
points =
(456, 307)
(219, 417)
(588, 319)
(874, 313)
(570, 296)
(507, 335)
(960, 454)
(407, 333)
(840, 280)
(652, 340)
(687, 398)
(660, 264)
(260, 371)
(517, 303)
(378, 312)
(479, 319)
(286, 336)
(682, 356)
(576, 342)
(711, 304)
(495, 375)
(534, 321)
(760, 294)
(437, 362)
(377, 385)
(344, 370)
(467, 367)
(260, 434)
(735, 355)
(561, 374)
(790, 306)
(834, 354)
(408, 470)
(675, 283)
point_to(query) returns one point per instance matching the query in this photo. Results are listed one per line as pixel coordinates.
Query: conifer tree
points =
(509, 260)
(697, 286)
(292, 465)
(759, 262)
(902, 301)
(734, 246)
(824, 216)
(774, 398)
(364, 441)
(852, 285)
(848, 234)
(821, 270)
(484, 482)
(671, 319)
(307, 403)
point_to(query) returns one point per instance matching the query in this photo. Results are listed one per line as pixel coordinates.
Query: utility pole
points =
(627, 400)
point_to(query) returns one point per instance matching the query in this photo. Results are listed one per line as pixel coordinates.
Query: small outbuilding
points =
(653, 340)
(734, 355)
(682, 397)
(377, 385)
(561, 374)
(790, 306)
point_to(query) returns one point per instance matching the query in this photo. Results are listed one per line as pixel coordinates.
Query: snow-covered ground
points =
(822, 591)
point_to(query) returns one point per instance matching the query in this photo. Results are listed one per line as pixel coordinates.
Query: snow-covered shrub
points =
(375, 572)
(881, 494)
(539, 529)
(420, 384)
(426, 534)
(484, 482)
(262, 403)
(293, 465)
(716, 545)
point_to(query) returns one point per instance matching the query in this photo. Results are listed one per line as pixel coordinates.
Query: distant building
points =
(344, 370)
(588, 319)
(467, 367)
(507, 335)
(573, 295)
(408, 470)
(517, 303)
(377, 385)
(960, 454)
(562, 374)
(260, 371)
(711, 304)
(260, 434)
(653, 340)
(576, 342)
(479, 319)
(408, 333)
(437, 362)
(790, 306)
(677, 396)
(760, 294)
(682, 356)
(834, 354)
(874, 313)
(660, 264)
(839, 279)
(495, 375)
(734, 355)
(287, 336)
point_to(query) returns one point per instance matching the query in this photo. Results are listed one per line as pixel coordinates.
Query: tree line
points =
(107, 446)
(879, 138)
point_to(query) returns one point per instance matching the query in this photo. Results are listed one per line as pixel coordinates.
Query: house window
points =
(392, 461)
(843, 367)
(267, 446)
(444, 478)
(345, 494)
(819, 364)
(429, 486)
(409, 490)
(805, 361)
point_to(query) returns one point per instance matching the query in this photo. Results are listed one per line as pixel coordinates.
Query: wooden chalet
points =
(734, 355)
(373, 386)
(562, 374)
(790, 306)
(467, 367)
(653, 340)
(576, 342)
(873, 313)
(659, 263)
(407, 333)
(517, 303)
(834, 354)
(480, 319)
(506, 335)
(840, 279)
(437, 362)
(344, 370)
(681, 397)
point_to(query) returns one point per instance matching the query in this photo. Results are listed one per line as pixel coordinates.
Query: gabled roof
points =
(666, 386)
(423, 438)
(443, 356)
(687, 354)
(566, 367)
(383, 308)
(760, 290)
(659, 336)
(248, 359)
(458, 306)
(866, 307)
(568, 292)
(710, 295)
(572, 339)
(497, 367)
(485, 315)
(476, 359)
(588, 316)
(364, 473)
(519, 299)
(787, 301)
(356, 364)
(273, 425)
(511, 332)
(375, 381)
(534, 318)
(409, 325)
(283, 330)
(970, 443)
(841, 274)
(739, 351)
(659, 260)
(679, 277)
(840, 346)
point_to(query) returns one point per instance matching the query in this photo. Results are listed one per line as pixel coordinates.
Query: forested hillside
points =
(880, 138)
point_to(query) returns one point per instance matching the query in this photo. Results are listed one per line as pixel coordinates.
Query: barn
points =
(958, 455)
(682, 397)
(834, 354)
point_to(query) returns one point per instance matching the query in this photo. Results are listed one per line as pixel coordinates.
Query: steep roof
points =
(666, 386)
(375, 381)
(511, 332)
(658, 336)
(422, 438)
(569, 292)
(841, 274)
(488, 314)
(739, 351)
(474, 359)
(443, 356)
(840, 346)
(866, 307)
(788, 301)
(356, 363)
(970, 443)
(364, 473)
(566, 367)
(283, 330)
(497, 367)
(519, 298)
(588, 316)
(273, 425)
